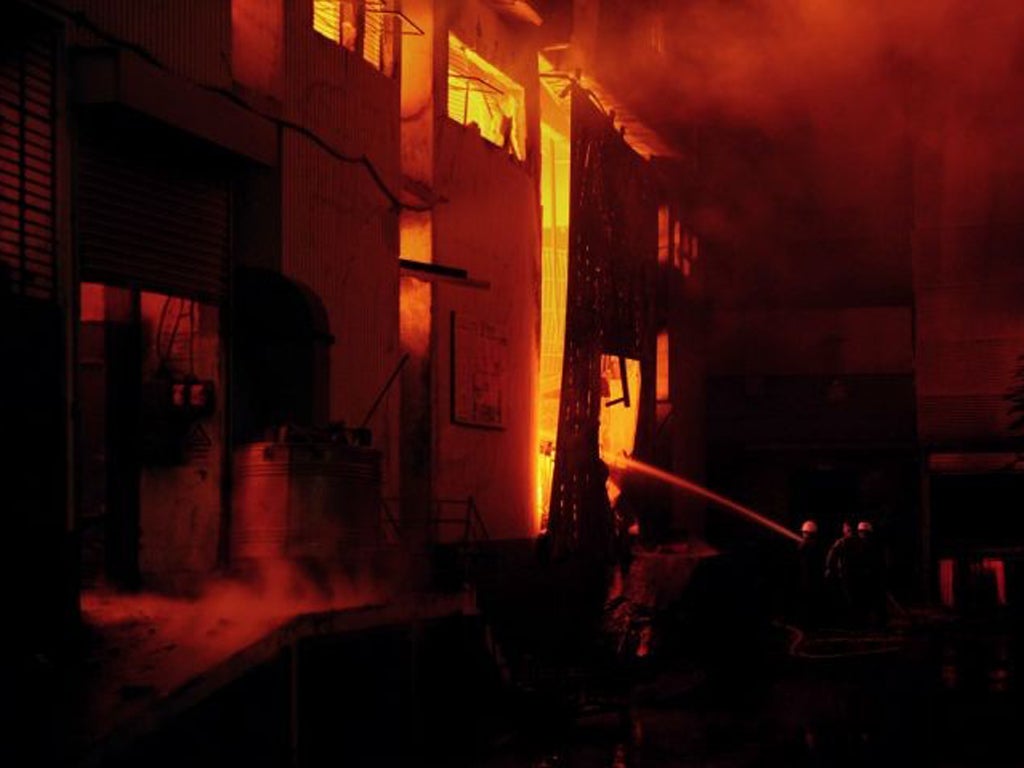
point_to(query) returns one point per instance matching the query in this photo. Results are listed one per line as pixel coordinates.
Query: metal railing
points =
(449, 521)
(469, 523)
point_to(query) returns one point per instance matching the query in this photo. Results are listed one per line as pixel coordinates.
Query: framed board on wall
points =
(479, 354)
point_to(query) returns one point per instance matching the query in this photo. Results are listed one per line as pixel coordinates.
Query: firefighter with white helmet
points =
(872, 574)
(811, 559)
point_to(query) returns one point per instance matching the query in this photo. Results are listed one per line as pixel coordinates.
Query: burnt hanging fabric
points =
(609, 310)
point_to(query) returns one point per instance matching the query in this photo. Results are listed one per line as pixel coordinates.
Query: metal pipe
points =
(384, 390)
(690, 487)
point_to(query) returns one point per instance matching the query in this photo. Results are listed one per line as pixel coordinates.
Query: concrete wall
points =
(483, 218)
(780, 342)
(789, 376)
(257, 45)
(489, 226)
(969, 279)
(180, 506)
(512, 47)
(688, 367)
(339, 229)
(328, 224)
(189, 37)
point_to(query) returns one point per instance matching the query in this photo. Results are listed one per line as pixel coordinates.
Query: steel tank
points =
(304, 501)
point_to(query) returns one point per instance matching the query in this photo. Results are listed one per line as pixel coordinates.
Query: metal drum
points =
(304, 501)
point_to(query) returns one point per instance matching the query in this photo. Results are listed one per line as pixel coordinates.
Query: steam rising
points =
(155, 643)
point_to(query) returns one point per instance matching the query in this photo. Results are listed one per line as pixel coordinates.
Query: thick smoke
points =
(811, 118)
(774, 61)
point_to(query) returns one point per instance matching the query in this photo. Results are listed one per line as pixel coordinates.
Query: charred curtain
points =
(609, 310)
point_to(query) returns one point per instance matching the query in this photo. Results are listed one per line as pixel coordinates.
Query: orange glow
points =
(554, 282)
(257, 43)
(947, 572)
(379, 37)
(664, 236)
(662, 368)
(617, 430)
(632, 465)
(618, 417)
(414, 315)
(92, 303)
(416, 236)
(417, 86)
(414, 301)
(336, 20)
(996, 567)
(641, 137)
(481, 94)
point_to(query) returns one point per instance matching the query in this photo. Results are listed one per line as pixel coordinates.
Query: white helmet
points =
(809, 526)
(864, 526)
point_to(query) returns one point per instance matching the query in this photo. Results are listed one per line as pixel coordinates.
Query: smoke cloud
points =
(773, 62)
(806, 117)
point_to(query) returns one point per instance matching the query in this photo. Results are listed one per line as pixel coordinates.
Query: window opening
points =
(481, 94)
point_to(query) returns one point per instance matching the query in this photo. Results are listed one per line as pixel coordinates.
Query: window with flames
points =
(677, 245)
(481, 94)
(366, 27)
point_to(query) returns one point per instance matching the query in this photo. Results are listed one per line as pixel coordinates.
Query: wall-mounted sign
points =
(479, 353)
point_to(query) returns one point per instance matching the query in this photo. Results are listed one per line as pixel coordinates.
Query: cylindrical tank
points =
(304, 501)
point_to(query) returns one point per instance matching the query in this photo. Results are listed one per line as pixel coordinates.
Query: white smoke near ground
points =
(152, 643)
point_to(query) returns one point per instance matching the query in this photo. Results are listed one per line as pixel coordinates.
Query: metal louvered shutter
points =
(27, 168)
(156, 219)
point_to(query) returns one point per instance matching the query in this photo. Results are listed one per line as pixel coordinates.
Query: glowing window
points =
(379, 30)
(620, 395)
(367, 27)
(662, 388)
(481, 94)
(664, 239)
(947, 573)
(336, 20)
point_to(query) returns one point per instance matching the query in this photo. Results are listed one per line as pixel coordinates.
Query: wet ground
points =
(946, 695)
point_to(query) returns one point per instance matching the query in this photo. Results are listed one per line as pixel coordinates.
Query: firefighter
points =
(843, 575)
(872, 567)
(811, 586)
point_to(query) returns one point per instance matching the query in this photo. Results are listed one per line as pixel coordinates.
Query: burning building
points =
(341, 283)
(300, 272)
(848, 173)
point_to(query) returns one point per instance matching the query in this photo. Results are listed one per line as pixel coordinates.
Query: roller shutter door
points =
(27, 148)
(151, 215)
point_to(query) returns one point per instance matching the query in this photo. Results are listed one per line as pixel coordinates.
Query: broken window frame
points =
(367, 28)
(494, 89)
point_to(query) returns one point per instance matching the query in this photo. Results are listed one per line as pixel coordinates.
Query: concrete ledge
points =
(107, 76)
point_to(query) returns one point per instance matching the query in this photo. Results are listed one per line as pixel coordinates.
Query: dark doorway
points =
(280, 357)
(150, 436)
(110, 380)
